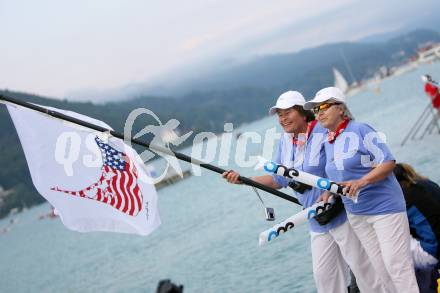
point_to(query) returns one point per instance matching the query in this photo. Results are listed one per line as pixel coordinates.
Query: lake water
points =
(208, 240)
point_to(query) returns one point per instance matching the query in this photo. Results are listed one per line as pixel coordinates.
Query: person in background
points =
(423, 211)
(358, 159)
(432, 90)
(301, 147)
(430, 186)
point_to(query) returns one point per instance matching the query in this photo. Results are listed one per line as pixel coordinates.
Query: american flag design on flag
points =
(117, 185)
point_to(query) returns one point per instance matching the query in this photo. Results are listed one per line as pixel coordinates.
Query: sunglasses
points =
(323, 107)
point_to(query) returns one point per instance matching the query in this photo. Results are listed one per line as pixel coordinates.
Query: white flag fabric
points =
(96, 182)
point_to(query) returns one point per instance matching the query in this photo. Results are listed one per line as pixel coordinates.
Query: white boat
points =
(340, 82)
(429, 53)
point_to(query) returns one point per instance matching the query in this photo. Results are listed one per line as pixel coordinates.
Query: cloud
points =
(353, 22)
(196, 42)
(251, 24)
(60, 45)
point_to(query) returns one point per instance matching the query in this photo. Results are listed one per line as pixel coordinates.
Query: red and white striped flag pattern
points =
(117, 185)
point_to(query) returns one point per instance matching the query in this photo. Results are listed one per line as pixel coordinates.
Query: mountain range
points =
(236, 93)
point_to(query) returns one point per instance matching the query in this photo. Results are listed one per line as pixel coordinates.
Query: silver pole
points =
(436, 117)
(431, 125)
(416, 125)
(428, 127)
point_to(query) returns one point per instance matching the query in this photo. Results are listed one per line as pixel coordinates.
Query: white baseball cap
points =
(328, 93)
(288, 100)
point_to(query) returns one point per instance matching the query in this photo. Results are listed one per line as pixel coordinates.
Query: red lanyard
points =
(331, 137)
(310, 127)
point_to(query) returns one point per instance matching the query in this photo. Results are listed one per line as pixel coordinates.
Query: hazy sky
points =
(54, 47)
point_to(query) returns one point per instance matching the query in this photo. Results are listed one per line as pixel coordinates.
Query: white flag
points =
(95, 182)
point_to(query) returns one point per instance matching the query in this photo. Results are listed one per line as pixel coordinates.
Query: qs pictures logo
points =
(164, 135)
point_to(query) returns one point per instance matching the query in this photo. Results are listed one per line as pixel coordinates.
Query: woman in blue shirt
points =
(301, 146)
(358, 158)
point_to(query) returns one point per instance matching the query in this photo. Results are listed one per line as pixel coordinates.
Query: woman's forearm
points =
(266, 180)
(380, 172)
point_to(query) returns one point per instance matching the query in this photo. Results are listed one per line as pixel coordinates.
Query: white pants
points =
(386, 240)
(420, 257)
(332, 251)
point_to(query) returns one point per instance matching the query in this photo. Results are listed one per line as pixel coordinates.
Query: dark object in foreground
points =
(427, 279)
(299, 187)
(166, 286)
(331, 212)
(353, 287)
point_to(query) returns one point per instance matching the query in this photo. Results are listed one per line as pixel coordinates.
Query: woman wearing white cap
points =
(358, 158)
(301, 146)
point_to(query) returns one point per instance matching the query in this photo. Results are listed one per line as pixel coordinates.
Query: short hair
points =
(347, 114)
(305, 113)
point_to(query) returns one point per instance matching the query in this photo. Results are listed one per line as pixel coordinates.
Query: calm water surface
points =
(209, 232)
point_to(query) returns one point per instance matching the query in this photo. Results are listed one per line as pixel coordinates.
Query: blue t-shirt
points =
(351, 156)
(309, 158)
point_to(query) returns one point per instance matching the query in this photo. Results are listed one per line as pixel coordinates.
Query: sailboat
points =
(343, 85)
(340, 81)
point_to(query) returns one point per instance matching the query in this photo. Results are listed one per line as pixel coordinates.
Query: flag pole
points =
(146, 144)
